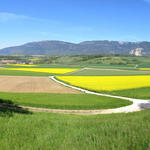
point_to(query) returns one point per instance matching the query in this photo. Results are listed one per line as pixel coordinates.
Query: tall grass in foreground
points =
(48, 131)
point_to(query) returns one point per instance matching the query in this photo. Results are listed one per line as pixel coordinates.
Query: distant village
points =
(19, 59)
(13, 62)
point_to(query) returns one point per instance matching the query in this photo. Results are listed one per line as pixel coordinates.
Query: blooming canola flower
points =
(107, 83)
(43, 70)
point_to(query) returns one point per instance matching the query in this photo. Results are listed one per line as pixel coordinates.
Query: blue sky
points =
(24, 21)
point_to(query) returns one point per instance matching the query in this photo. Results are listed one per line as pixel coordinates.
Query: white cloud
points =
(5, 17)
(8, 43)
(8, 17)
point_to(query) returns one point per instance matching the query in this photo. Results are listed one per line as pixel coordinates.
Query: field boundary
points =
(74, 71)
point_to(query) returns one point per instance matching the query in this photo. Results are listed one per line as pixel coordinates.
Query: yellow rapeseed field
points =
(44, 70)
(107, 83)
(23, 65)
(144, 69)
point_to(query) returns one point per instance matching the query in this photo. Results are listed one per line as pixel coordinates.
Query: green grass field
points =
(144, 65)
(23, 73)
(103, 72)
(111, 66)
(64, 101)
(139, 93)
(48, 131)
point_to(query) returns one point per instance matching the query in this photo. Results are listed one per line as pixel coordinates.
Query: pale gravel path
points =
(138, 104)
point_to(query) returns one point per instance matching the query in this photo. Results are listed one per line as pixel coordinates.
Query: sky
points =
(23, 21)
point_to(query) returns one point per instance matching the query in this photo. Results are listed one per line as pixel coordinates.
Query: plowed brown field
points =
(32, 85)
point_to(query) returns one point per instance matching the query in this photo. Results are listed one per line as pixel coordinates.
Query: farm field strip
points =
(43, 70)
(107, 72)
(107, 83)
(109, 69)
(144, 69)
(32, 85)
(23, 73)
(137, 70)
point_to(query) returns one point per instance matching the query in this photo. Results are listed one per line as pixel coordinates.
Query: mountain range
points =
(51, 47)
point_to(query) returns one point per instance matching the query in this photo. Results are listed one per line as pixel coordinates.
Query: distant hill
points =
(87, 47)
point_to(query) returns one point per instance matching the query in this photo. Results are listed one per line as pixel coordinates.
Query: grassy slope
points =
(48, 131)
(64, 101)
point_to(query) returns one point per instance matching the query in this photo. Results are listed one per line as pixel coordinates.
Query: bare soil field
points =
(32, 85)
